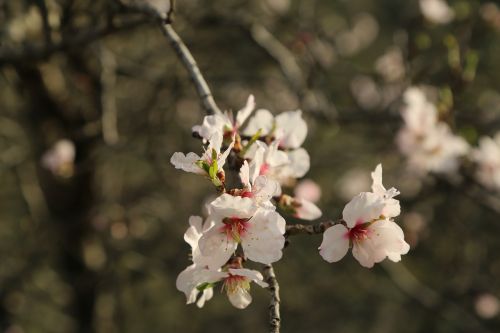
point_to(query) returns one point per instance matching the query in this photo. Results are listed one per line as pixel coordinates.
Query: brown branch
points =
(274, 305)
(309, 229)
(191, 66)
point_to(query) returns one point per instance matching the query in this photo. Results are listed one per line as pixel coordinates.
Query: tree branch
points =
(191, 66)
(274, 305)
(309, 229)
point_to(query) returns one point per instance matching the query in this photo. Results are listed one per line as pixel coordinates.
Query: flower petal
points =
(364, 207)
(335, 244)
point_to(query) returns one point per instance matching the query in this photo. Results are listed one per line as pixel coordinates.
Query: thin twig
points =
(274, 305)
(309, 229)
(187, 59)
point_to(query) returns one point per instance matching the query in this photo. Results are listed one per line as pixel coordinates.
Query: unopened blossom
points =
(308, 190)
(60, 158)
(487, 158)
(299, 208)
(436, 11)
(236, 283)
(288, 128)
(258, 187)
(211, 163)
(197, 273)
(226, 122)
(237, 220)
(391, 207)
(372, 236)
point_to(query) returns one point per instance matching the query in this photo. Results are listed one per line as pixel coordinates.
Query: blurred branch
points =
(108, 99)
(274, 305)
(33, 53)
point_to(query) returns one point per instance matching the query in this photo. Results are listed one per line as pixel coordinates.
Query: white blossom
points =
(436, 11)
(211, 158)
(237, 284)
(239, 221)
(260, 188)
(487, 158)
(372, 236)
(225, 123)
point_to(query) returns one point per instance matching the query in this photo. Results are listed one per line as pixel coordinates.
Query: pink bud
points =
(308, 190)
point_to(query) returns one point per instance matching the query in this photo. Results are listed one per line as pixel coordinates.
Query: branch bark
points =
(309, 229)
(274, 305)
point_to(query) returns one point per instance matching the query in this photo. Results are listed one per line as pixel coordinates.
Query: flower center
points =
(235, 227)
(358, 233)
(234, 282)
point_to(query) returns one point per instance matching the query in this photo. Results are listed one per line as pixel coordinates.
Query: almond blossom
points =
(211, 163)
(289, 128)
(258, 187)
(299, 207)
(487, 158)
(237, 220)
(226, 122)
(429, 144)
(367, 228)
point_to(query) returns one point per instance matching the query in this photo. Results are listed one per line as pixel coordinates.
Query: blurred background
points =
(93, 102)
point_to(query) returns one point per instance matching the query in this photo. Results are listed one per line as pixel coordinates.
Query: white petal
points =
(253, 275)
(216, 247)
(389, 238)
(193, 233)
(243, 114)
(245, 174)
(307, 210)
(186, 162)
(335, 243)
(263, 120)
(240, 299)
(364, 253)
(227, 205)
(377, 186)
(264, 240)
(193, 276)
(211, 125)
(364, 207)
(299, 162)
(264, 188)
(294, 129)
(205, 296)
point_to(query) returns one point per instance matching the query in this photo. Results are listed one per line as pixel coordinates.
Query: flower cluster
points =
(428, 143)
(242, 222)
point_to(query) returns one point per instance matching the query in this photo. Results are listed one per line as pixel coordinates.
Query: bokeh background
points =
(95, 244)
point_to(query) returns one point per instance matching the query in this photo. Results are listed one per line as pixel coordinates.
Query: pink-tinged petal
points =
(308, 190)
(240, 298)
(186, 162)
(227, 205)
(335, 243)
(262, 120)
(244, 113)
(307, 210)
(251, 274)
(216, 247)
(364, 207)
(294, 129)
(264, 240)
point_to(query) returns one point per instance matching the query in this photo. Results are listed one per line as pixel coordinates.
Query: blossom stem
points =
(274, 305)
(310, 229)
